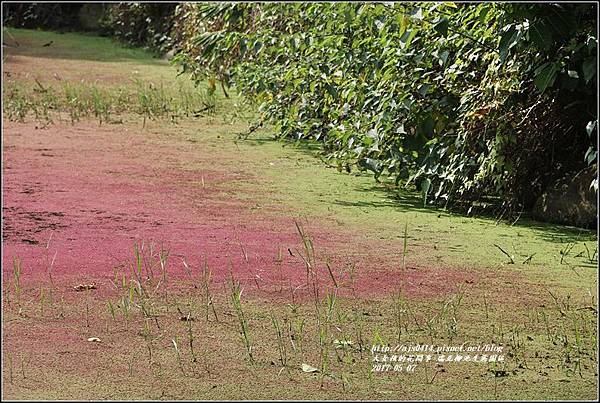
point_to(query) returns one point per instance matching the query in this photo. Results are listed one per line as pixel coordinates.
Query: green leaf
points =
(444, 56)
(423, 89)
(591, 43)
(590, 155)
(373, 134)
(508, 39)
(589, 69)
(545, 76)
(442, 26)
(483, 13)
(407, 37)
(589, 128)
(561, 20)
(541, 35)
(417, 13)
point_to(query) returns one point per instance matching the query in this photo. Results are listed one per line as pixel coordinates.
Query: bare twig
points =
(506, 253)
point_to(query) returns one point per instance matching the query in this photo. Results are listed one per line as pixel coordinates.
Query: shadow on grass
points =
(399, 199)
(558, 233)
(75, 46)
(311, 147)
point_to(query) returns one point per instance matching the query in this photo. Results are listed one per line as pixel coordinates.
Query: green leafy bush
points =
(141, 24)
(468, 102)
(41, 15)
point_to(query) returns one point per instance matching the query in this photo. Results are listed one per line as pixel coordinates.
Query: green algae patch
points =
(296, 178)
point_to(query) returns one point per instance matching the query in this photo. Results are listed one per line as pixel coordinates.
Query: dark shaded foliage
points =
(53, 16)
(141, 24)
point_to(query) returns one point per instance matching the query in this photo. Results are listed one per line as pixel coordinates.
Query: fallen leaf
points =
(342, 343)
(84, 287)
(308, 368)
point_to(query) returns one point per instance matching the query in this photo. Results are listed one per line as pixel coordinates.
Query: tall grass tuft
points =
(405, 246)
(236, 300)
(280, 337)
(17, 278)
(208, 298)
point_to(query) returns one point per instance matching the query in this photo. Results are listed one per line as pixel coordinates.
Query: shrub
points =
(469, 102)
